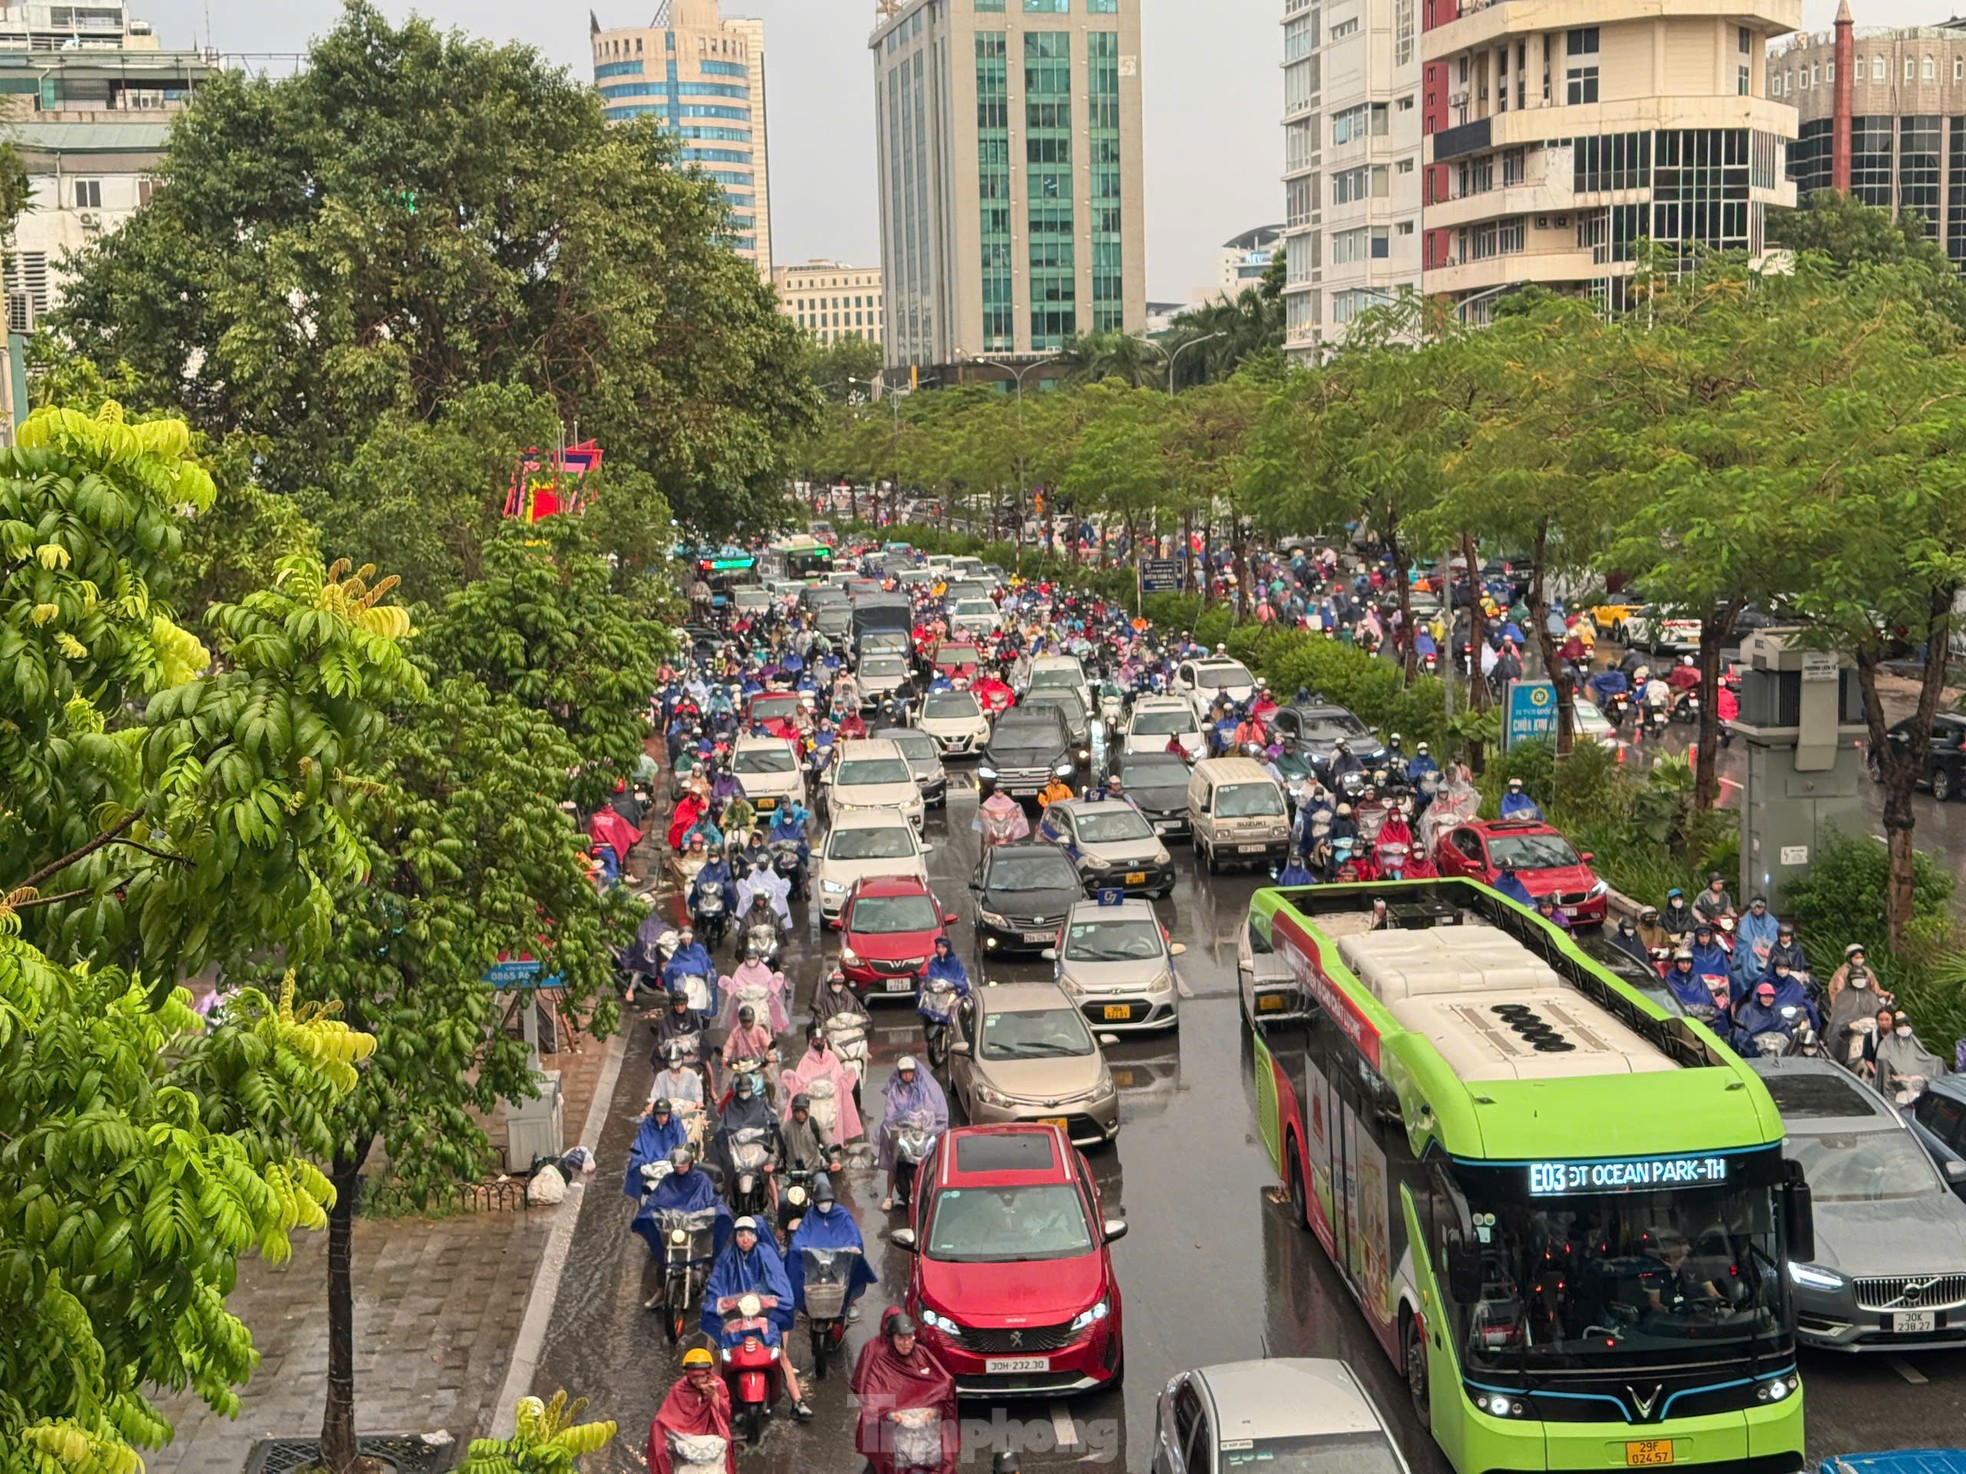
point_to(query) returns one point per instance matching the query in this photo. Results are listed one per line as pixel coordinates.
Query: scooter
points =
(751, 1367)
(846, 1034)
(765, 942)
(794, 1202)
(750, 1157)
(687, 1240)
(790, 867)
(938, 1011)
(712, 918)
(1686, 707)
(702, 995)
(914, 1138)
(1775, 1043)
(828, 1277)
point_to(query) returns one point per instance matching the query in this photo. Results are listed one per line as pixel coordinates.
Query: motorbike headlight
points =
(678, 1236)
(832, 887)
(991, 918)
(1092, 1315)
(1811, 1277)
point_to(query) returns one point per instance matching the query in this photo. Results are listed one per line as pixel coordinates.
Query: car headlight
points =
(1063, 770)
(847, 954)
(1810, 1277)
(832, 887)
(940, 1322)
(991, 1097)
(983, 770)
(1093, 1314)
(990, 918)
(1601, 888)
(1162, 857)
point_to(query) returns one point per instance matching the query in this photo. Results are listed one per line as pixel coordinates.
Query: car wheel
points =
(1300, 1198)
(1618, 631)
(1413, 1355)
(1941, 784)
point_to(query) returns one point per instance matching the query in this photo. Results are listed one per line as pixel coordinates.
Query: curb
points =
(545, 1294)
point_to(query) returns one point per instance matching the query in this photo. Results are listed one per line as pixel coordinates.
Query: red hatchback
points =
(888, 928)
(775, 713)
(1545, 862)
(1012, 1281)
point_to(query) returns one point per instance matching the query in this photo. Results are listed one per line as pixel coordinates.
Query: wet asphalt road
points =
(1211, 1269)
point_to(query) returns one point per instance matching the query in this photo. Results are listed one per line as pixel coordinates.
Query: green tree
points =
(1850, 233)
(845, 368)
(429, 213)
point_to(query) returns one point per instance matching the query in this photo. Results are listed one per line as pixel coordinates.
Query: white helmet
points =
(905, 1064)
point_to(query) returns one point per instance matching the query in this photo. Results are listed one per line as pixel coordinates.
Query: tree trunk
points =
(1208, 561)
(1554, 666)
(338, 1446)
(1245, 586)
(1402, 565)
(1187, 548)
(1715, 630)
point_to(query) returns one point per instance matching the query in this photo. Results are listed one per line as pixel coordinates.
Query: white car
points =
(1155, 719)
(975, 617)
(862, 843)
(1592, 725)
(874, 774)
(768, 771)
(1284, 1413)
(955, 720)
(1059, 673)
(1206, 679)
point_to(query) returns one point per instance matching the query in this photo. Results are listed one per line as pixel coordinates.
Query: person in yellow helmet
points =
(698, 1406)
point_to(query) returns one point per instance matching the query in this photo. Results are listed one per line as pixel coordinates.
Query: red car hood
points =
(1041, 1292)
(1565, 879)
(892, 946)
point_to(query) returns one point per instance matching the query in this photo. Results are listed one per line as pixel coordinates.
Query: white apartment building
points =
(1352, 144)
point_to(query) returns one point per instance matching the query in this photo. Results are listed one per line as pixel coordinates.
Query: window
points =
(990, 5)
(145, 187)
(1348, 246)
(1343, 28)
(1301, 81)
(1299, 144)
(1102, 7)
(1742, 80)
(88, 194)
(1512, 167)
(1877, 69)
(1300, 199)
(1404, 166)
(1911, 70)
(1743, 41)
(1959, 69)
(1927, 70)
(1580, 41)
(1402, 32)
(1580, 85)
(1405, 227)
(1300, 37)
(1405, 104)
(1348, 186)
(1039, 7)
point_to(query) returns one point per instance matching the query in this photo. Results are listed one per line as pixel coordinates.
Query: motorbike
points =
(794, 1202)
(688, 1245)
(702, 995)
(938, 1013)
(750, 1154)
(755, 994)
(697, 1453)
(825, 1111)
(790, 866)
(828, 1278)
(764, 940)
(751, 1367)
(1653, 722)
(1686, 707)
(712, 918)
(846, 1034)
(1112, 710)
(1616, 707)
(1775, 1043)
(914, 1137)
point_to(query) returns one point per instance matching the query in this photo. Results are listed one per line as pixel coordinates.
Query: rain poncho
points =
(1754, 940)
(1905, 1067)
(1510, 884)
(820, 1072)
(1520, 806)
(885, 1383)
(682, 1192)
(749, 978)
(775, 888)
(741, 1113)
(691, 1411)
(759, 1272)
(654, 1140)
(827, 1228)
(924, 1097)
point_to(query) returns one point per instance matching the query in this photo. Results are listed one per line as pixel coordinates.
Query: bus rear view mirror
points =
(1463, 1268)
(1799, 1211)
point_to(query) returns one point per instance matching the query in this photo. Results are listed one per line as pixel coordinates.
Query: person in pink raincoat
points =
(822, 1064)
(753, 970)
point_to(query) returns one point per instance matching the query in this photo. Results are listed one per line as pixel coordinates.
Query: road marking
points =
(1063, 1430)
(1906, 1370)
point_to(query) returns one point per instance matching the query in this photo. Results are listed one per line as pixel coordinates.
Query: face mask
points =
(1860, 982)
(1903, 1031)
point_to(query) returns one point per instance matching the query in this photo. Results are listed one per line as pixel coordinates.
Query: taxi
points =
(1115, 963)
(1111, 844)
(1610, 616)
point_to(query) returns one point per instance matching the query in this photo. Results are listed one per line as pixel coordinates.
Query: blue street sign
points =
(513, 972)
(1531, 712)
(1160, 575)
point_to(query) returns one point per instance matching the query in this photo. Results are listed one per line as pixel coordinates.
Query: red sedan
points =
(1012, 1281)
(1544, 861)
(888, 928)
(958, 659)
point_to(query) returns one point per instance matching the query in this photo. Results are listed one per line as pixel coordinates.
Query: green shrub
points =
(1841, 898)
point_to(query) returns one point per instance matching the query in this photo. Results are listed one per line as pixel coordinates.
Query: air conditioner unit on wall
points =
(1563, 222)
(1542, 222)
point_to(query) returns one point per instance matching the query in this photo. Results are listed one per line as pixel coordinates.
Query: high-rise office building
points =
(1351, 155)
(703, 76)
(831, 301)
(1011, 184)
(1557, 139)
(1883, 116)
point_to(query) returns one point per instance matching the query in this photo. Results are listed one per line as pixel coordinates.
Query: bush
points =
(1841, 899)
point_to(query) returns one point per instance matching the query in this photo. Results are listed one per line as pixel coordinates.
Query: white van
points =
(1238, 813)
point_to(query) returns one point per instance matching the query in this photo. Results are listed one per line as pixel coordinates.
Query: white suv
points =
(864, 843)
(767, 769)
(874, 774)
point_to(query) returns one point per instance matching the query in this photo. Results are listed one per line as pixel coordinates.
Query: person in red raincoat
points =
(896, 1374)
(698, 1404)
(689, 808)
(612, 830)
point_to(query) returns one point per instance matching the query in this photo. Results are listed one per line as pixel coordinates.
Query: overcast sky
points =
(1213, 96)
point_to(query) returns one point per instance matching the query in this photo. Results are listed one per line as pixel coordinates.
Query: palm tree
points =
(1092, 358)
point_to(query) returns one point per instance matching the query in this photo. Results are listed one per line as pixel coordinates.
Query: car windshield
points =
(1049, 1033)
(764, 708)
(886, 915)
(1249, 801)
(1335, 728)
(1163, 721)
(1059, 677)
(917, 747)
(764, 760)
(1154, 770)
(1025, 731)
(1045, 869)
(1531, 851)
(1221, 677)
(950, 706)
(1122, 940)
(1112, 825)
(1008, 1225)
(1318, 1453)
(949, 657)
(858, 771)
(975, 606)
(883, 665)
(888, 842)
(1864, 1166)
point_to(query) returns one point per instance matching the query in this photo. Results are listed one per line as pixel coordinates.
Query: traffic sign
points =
(1160, 575)
(1531, 712)
(513, 972)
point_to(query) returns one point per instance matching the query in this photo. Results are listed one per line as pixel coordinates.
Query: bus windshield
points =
(1596, 1279)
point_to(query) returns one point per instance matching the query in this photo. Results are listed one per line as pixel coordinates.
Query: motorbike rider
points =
(1710, 959)
(788, 827)
(908, 1091)
(1341, 764)
(749, 1265)
(822, 1062)
(1516, 804)
(744, 1108)
(751, 1040)
(827, 1226)
(686, 1189)
(1606, 686)
(1546, 909)
(1754, 942)
(1685, 676)
(1713, 903)
(1000, 818)
(1677, 919)
(714, 877)
(762, 885)
(1790, 993)
(895, 1374)
(1510, 885)
(659, 1134)
(676, 1080)
(1693, 994)
(690, 959)
(837, 996)
(1787, 950)
(1627, 940)
(1758, 1015)
(1295, 871)
(807, 1145)
(1420, 765)
(751, 974)
(1651, 931)
(1055, 790)
(698, 1405)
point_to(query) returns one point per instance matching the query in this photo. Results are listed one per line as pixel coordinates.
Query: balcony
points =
(1483, 22)
(1458, 278)
(1531, 197)
(1533, 125)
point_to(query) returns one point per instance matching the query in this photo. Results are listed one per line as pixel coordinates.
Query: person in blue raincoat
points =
(1710, 959)
(1510, 885)
(659, 1134)
(749, 1265)
(1692, 992)
(1758, 1014)
(691, 957)
(1518, 805)
(1790, 992)
(827, 1226)
(714, 876)
(1295, 871)
(687, 1189)
(1754, 940)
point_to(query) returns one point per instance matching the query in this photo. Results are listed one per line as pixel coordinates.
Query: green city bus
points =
(1565, 1213)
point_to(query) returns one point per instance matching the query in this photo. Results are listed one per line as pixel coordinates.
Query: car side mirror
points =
(1799, 1215)
(1587, 857)
(904, 1240)
(1050, 954)
(1114, 1228)
(1106, 1041)
(959, 1046)
(1179, 949)
(927, 848)
(948, 918)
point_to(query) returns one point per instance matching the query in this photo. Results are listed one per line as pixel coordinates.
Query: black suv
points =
(1944, 770)
(1157, 782)
(1022, 893)
(1027, 746)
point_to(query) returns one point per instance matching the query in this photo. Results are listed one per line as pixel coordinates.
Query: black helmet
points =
(901, 1324)
(679, 995)
(822, 1189)
(747, 1014)
(802, 1102)
(662, 1107)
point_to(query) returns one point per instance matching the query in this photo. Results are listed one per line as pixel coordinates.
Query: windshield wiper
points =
(1039, 1050)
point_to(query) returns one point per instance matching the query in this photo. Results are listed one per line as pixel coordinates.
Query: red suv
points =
(888, 928)
(1011, 1280)
(1545, 862)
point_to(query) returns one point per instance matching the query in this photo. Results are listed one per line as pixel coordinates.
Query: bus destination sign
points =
(1635, 1174)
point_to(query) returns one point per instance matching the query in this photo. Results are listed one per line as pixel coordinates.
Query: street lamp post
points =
(1023, 480)
(1175, 357)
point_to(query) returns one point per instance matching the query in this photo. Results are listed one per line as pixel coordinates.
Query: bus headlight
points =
(1777, 1388)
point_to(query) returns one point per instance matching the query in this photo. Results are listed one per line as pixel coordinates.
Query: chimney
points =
(1846, 66)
